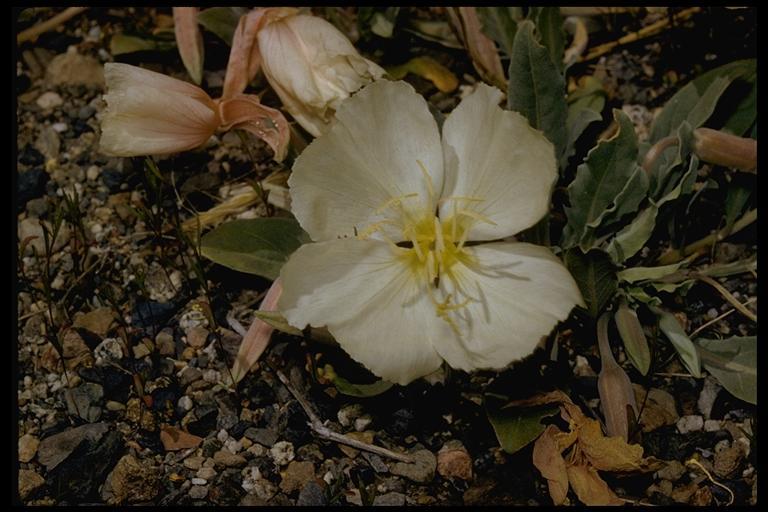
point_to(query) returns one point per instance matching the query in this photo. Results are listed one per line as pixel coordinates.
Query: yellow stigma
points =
(430, 246)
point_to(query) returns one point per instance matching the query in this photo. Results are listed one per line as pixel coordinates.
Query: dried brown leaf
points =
(548, 460)
(608, 453)
(590, 488)
(658, 408)
(481, 48)
(549, 397)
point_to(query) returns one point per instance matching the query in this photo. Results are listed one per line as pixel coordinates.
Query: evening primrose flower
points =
(150, 113)
(310, 64)
(409, 266)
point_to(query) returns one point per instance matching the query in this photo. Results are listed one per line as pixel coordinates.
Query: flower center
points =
(431, 246)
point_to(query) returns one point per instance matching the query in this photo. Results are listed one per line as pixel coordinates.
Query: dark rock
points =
(84, 401)
(31, 185)
(31, 156)
(205, 421)
(85, 112)
(228, 412)
(311, 495)
(150, 440)
(390, 499)
(292, 424)
(401, 423)
(227, 490)
(151, 316)
(210, 446)
(29, 483)
(117, 383)
(164, 398)
(238, 429)
(422, 470)
(165, 366)
(170, 498)
(112, 178)
(80, 475)
(263, 436)
(258, 391)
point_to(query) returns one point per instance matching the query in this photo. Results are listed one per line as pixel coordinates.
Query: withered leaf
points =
(590, 488)
(548, 460)
(608, 453)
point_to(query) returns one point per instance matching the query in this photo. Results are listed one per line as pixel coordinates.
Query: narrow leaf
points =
(733, 362)
(485, 56)
(633, 236)
(189, 40)
(277, 321)
(361, 390)
(635, 343)
(549, 24)
(595, 275)
(222, 21)
(537, 88)
(500, 24)
(607, 185)
(257, 246)
(696, 101)
(617, 399)
(634, 274)
(680, 340)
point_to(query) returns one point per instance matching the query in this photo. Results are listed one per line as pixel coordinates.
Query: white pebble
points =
(185, 403)
(199, 481)
(222, 436)
(282, 453)
(711, 426)
(49, 100)
(691, 423)
(59, 127)
(92, 173)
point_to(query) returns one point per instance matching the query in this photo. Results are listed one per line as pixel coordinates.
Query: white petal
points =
(149, 113)
(369, 156)
(495, 155)
(518, 293)
(370, 303)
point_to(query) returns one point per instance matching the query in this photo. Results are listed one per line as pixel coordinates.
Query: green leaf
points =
(500, 24)
(635, 274)
(632, 237)
(667, 169)
(697, 100)
(222, 21)
(257, 246)
(379, 20)
(733, 362)
(737, 197)
(746, 111)
(549, 24)
(680, 340)
(595, 275)
(577, 121)
(277, 321)
(681, 288)
(637, 294)
(537, 88)
(635, 343)
(121, 44)
(515, 427)
(607, 185)
(360, 390)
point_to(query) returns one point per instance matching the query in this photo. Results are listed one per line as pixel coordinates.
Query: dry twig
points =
(34, 32)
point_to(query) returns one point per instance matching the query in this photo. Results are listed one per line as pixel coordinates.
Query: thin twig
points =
(321, 430)
(644, 32)
(33, 32)
(715, 320)
(727, 296)
(681, 375)
(694, 462)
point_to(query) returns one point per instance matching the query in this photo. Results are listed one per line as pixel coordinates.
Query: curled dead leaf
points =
(590, 488)
(548, 459)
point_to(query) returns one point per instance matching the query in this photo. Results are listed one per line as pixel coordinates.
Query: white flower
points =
(408, 268)
(311, 65)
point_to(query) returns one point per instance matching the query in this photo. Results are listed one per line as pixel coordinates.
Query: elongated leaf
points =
(635, 343)
(222, 21)
(638, 294)
(737, 197)
(696, 101)
(634, 274)
(537, 88)
(277, 321)
(500, 24)
(516, 427)
(485, 56)
(121, 44)
(746, 111)
(256, 246)
(682, 343)
(549, 24)
(595, 275)
(733, 362)
(608, 184)
(577, 121)
(632, 237)
(361, 390)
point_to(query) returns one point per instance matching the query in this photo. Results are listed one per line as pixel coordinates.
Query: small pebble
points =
(691, 423)
(49, 100)
(185, 403)
(711, 425)
(198, 492)
(282, 453)
(206, 474)
(712, 313)
(92, 173)
(59, 127)
(199, 481)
